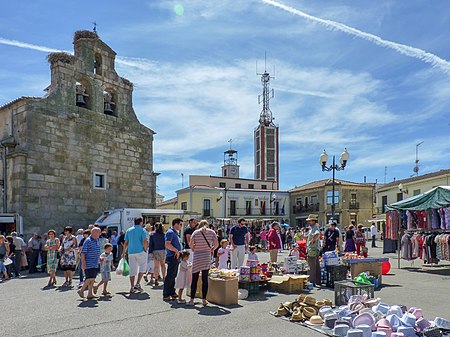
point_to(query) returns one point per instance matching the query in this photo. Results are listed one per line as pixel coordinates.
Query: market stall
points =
(421, 225)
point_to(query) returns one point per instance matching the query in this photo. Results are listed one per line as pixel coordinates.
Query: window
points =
(298, 200)
(353, 203)
(232, 207)
(256, 202)
(237, 185)
(248, 207)
(251, 186)
(100, 181)
(314, 199)
(384, 201)
(400, 196)
(330, 197)
(276, 206)
(264, 187)
(184, 205)
(206, 207)
(222, 185)
(224, 172)
(416, 192)
(262, 209)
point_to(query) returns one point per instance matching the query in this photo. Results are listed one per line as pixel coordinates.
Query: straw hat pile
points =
(303, 308)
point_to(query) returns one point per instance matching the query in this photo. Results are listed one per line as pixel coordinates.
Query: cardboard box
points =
(288, 283)
(374, 268)
(223, 291)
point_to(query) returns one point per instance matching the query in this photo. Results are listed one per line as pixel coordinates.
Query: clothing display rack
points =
(421, 225)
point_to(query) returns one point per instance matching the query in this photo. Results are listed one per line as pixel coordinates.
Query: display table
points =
(371, 265)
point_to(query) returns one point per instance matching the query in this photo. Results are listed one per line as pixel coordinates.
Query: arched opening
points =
(98, 64)
(109, 103)
(82, 95)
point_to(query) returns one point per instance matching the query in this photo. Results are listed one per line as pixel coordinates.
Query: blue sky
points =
(195, 84)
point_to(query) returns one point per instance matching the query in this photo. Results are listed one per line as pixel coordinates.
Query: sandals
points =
(205, 303)
(181, 301)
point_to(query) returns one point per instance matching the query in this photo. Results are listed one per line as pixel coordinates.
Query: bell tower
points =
(266, 147)
(230, 166)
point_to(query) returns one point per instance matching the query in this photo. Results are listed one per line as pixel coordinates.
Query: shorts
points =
(106, 276)
(159, 254)
(137, 261)
(90, 273)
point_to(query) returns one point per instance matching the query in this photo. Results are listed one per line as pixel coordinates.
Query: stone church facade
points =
(80, 149)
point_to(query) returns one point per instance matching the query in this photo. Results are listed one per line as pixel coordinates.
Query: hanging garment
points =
(447, 217)
(415, 247)
(406, 247)
(435, 219)
(442, 217)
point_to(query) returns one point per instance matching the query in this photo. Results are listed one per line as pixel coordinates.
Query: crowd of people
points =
(178, 258)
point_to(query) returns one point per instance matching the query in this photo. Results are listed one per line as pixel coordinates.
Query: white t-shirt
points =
(373, 230)
(224, 257)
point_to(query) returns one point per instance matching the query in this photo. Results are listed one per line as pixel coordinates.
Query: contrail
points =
(417, 53)
(25, 45)
(140, 63)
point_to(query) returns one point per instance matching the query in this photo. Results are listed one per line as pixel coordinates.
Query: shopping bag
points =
(119, 269)
(126, 268)
(7, 261)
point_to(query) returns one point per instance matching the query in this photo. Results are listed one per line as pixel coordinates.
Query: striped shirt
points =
(91, 250)
(202, 249)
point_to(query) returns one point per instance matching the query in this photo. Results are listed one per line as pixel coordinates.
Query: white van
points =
(123, 218)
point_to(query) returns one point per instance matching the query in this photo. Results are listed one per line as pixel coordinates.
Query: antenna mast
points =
(265, 117)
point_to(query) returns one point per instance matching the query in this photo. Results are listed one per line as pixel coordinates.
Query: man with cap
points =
(313, 250)
(331, 237)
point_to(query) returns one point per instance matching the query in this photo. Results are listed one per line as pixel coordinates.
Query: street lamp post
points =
(334, 167)
(221, 195)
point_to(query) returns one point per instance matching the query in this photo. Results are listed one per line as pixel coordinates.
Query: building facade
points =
(401, 189)
(353, 202)
(80, 149)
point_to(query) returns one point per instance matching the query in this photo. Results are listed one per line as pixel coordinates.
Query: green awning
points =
(437, 197)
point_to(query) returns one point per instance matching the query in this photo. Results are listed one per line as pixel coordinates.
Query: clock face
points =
(233, 171)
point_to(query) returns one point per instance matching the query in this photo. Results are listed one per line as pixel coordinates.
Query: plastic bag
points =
(7, 262)
(126, 268)
(119, 270)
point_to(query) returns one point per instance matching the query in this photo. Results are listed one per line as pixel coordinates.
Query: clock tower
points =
(230, 167)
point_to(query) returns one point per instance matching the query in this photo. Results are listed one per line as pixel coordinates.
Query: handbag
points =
(7, 261)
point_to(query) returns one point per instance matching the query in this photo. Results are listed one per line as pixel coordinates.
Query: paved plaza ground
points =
(29, 309)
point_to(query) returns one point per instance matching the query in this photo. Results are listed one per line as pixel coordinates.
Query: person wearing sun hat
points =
(313, 250)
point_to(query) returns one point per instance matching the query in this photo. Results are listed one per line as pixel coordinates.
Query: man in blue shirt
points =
(173, 248)
(90, 255)
(239, 237)
(136, 243)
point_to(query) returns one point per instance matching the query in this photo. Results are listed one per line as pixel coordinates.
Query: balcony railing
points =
(297, 209)
(253, 211)
(353, 205)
